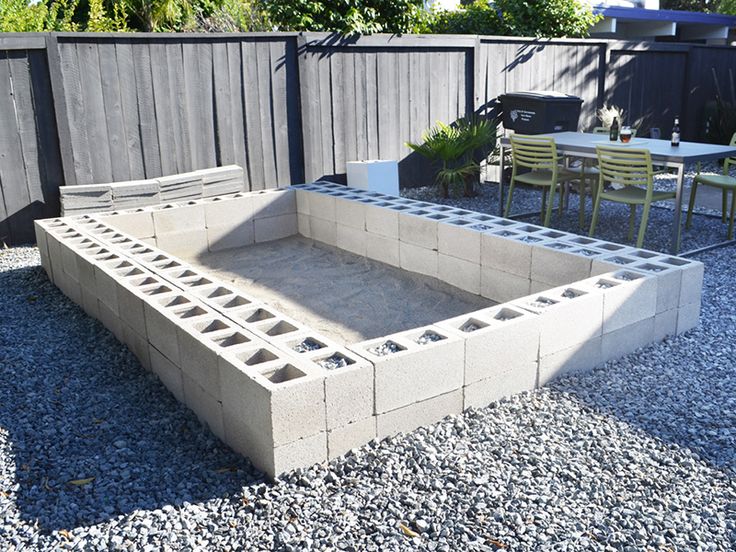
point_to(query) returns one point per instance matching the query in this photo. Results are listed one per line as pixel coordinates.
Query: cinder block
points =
(220, 238)
(276, 399)
(501, 253)
(169, 374)
(559, 267)
(275, 228)
(691, 284)
(180, 187)
(382, 249)
(227, 179)
(668, 283)
(418, 259)
(502, 286)
(207, 408)
(350, 212)
(85, 198)
(90, 303)
(348, 389)
(418, 228)
(351, 239)
(43, 250)
(137, 344)
(459, 273)
(322, 206)
(629, 298)
(427, 412)
(303, 225)
(137, 224)
(665, 324)
(627, 339)
(163, 316)
(382, 221)
(188, 243)
(688, 317)
(457, 239)
(111, 321)
(580, 358)
(612, 263)
(497, 341)
(273, 203)
(342, 439)
(569, 315)
(416, 372)
(201, 340)
(107, 289)
(302, 201)
(504, 384)
(69, 260)
(324, 231)
(228, 212)
(130, 308)
(174, 219)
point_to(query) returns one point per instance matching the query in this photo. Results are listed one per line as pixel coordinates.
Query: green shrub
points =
(347, 16)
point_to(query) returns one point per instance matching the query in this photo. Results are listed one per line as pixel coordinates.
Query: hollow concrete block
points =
(418, 259)
(627, 339)
(207, 408)
(275, 228)
(382, 221)
(499, 252)
(111, 321)
(303, 225)
(220, 238)
(417, 228)
(137, 224)
(497, 341)
(576, 359)
(351, 239)
(344, 438)
(559, 267)
(179, 218)
(502, 286)
(322, 206)
(458, 239)
(460, 273)
(665, 324)
(168, 372)
(630, 298)
(188, 243)
(351, 213)
(427, 412)
(137, 344)
(324, 231)
(273, 203)
(416, 372)
(275, 399)
(383, 249)
(481, 393)
(688, 317)
(669, 281)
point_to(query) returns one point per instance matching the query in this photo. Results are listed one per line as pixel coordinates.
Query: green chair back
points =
(729, 160)
(600, 130)
(534, 152)
(626, 166)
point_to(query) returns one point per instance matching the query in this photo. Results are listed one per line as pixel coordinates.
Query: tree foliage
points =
(346, 16)
(548, 19)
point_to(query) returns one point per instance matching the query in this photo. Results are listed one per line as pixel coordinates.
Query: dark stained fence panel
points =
(30, 166)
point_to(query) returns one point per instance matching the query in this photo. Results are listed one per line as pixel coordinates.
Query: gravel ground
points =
(639, 454)
(613, 220)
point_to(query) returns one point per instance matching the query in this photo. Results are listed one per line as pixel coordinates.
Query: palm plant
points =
(457, 150)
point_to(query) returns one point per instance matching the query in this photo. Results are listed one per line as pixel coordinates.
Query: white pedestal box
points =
(375, 175)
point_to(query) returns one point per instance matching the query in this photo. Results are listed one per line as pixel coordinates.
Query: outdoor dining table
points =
(580, 144)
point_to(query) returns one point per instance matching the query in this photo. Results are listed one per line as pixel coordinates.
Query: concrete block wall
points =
(282, 394)
(95, 198)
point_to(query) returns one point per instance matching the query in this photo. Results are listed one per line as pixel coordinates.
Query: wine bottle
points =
(613, 133)
(676, 133)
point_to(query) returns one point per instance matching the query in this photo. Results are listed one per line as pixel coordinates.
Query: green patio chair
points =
(631, 169)
(539, 155)
(723, 181)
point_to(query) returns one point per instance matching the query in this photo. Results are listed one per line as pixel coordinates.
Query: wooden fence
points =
(92, 108)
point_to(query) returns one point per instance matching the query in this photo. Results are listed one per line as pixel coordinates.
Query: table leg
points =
(500, 180)
(675, 241)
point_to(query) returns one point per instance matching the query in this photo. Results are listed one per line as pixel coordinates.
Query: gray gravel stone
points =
(639, 454)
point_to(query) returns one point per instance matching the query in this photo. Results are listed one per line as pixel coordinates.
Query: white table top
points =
(661, 150)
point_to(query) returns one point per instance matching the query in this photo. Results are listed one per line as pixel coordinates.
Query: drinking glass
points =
(625, 135)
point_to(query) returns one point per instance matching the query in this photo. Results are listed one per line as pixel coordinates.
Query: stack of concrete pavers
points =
(94, 198)
(90, 198)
